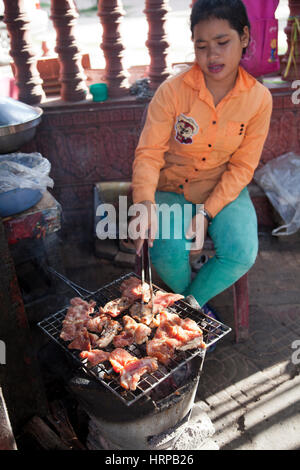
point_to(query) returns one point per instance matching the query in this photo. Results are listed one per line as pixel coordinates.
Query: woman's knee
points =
(241, 252)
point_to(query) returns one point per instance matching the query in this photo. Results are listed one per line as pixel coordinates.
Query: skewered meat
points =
(76, 317)
(133, 289)
(115, 307)
(132, 371)
(95, 356)
(133, 333)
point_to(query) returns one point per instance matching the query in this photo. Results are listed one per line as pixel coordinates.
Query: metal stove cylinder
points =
(133, 427)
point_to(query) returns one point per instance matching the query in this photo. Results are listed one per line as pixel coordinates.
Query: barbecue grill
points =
(212, 329)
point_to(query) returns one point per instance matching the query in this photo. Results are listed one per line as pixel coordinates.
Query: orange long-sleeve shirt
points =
(190, 146)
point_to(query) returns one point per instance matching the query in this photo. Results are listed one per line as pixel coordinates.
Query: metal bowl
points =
(18, 122)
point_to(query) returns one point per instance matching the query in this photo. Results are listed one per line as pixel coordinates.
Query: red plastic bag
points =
(261, 57)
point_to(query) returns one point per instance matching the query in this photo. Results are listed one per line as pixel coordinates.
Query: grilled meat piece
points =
(185, 333)
(174, 333)
(130, 368)
(133, 332)
(125, 338)
(119, 358)
(116, 306)
(96, 324)
(78, 314)
(109, 331)
(132, 371)
(142, 313)
(162, 349)
(139, 330)
(95, 356)
(81, 341)
(133, 289)
(162, 300)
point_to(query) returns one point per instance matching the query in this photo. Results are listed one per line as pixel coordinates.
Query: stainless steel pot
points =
(18, 122)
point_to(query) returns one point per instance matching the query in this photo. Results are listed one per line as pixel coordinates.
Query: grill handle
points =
(71, 284)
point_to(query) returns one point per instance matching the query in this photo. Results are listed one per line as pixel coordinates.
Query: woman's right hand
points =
(146, 226)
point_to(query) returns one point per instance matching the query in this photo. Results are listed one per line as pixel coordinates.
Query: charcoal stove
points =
(163, 400)
(113, 425)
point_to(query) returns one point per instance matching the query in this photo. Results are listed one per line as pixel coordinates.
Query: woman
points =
(201, 143)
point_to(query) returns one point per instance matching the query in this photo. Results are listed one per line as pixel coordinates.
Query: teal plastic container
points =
(99, 91)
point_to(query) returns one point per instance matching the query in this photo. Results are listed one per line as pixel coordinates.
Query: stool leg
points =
(241, 308)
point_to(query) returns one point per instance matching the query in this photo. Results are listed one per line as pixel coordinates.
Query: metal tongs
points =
(145, 253)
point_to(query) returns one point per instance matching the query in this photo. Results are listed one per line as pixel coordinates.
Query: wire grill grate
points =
(212, 330)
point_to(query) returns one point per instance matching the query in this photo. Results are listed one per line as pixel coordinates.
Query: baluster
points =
(159, 70)
(110, 13)
(294, 71)
(27, 76)
(64, 16)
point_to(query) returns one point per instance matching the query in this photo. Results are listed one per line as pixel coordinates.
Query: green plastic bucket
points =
(99, 91)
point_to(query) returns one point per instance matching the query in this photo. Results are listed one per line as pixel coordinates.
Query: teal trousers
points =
(234, 234)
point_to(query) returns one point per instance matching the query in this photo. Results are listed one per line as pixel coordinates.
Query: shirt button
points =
(203, 159)
(186, 181)
(209, 145)
(214, 122)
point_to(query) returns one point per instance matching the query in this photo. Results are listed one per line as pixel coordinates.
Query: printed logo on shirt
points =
(185, 128)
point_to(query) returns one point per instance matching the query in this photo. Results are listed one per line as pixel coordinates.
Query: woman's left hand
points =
(198, 230)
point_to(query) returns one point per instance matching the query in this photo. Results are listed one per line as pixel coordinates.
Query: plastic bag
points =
(280, 179)
(24, 170)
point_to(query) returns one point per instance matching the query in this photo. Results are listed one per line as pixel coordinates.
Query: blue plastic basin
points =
(18, 200)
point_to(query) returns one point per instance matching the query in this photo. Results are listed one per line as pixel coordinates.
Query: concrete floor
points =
(249, 390)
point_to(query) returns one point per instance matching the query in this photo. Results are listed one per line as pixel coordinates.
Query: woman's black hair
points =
(234, 11)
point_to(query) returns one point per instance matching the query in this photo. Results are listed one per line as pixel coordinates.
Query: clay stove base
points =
(194, 432)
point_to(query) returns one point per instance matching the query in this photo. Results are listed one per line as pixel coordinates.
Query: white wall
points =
(81, 4)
